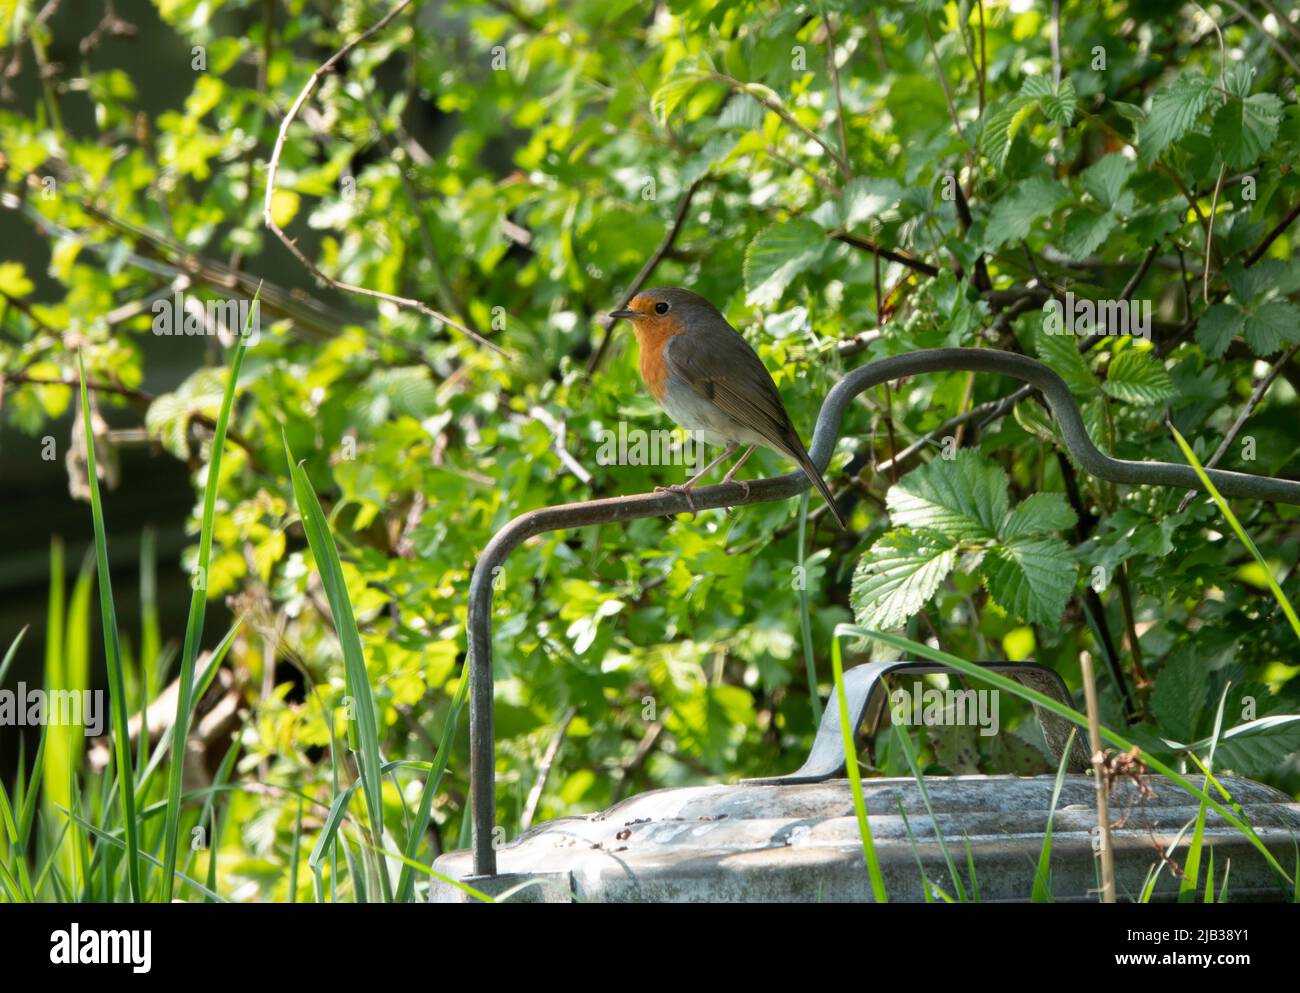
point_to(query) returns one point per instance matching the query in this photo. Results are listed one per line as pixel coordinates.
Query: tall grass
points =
(113, 659)
(194, 623)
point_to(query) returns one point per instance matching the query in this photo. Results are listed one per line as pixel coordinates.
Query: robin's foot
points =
(683, 490)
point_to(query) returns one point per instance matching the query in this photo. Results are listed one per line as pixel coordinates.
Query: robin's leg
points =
(685, 488)
(732, 471)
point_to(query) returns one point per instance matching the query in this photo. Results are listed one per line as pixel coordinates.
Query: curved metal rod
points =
(570, 515)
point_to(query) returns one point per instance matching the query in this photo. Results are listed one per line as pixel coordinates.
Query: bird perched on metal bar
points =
(706, 378)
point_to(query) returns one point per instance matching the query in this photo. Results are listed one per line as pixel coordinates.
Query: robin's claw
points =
(683, 490)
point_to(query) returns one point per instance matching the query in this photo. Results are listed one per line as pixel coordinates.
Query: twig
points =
(786, 116)
(839, 99)
(1255, 397)
(544, 770)
(867, 245)
(273, 166)
(1272, 236)
(1102, 781)
(1258, 25)
(647, 270)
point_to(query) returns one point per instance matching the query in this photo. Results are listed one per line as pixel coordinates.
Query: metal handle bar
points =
(826, 758)
(734, 494)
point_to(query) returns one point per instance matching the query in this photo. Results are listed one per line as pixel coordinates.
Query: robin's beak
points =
(631, 315)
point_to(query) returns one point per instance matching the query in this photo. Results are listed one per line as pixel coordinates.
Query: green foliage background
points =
(570, 140)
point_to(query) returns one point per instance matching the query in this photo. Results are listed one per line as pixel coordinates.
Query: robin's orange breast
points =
(652, 334)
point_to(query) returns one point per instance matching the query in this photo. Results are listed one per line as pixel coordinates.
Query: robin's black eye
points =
(661, 307)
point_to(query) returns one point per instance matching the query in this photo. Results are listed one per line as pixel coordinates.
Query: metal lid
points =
(800, 842)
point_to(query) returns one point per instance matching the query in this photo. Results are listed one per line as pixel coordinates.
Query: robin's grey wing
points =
(724, 369)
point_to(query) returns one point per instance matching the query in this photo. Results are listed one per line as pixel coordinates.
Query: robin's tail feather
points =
(806, 464)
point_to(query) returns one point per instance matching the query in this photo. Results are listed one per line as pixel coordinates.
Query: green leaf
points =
(962, 498)
(1174, 109)
(1061, 352)
(1217, 327)
(1057, 100)
(777, 256)
(14, 281)
(866, 197)
(898, 574)
(1036, 514)
(1244, 129)
(1272, 325)
(1260, 747)
(1013, 216)
(1031, 577)
(1000, 128)
(1084, 231)
(685, 76)
(1104, 180)
(1135, 377)
(1179, 697)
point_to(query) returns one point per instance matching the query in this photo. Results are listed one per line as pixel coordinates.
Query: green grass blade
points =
(855, 777)
(113, 656)
(406, 881)
(1042, 891)
(914, 766)
(1235, 524)
(1056, 707)
(194, 624)
(330, 568)
(11, 653)
(115, 842)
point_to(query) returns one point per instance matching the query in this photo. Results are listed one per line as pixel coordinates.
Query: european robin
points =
(706, 378)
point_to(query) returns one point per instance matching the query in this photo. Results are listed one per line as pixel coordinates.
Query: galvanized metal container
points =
(795, 838)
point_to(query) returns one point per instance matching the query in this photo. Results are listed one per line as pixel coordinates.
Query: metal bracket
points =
(826, 758)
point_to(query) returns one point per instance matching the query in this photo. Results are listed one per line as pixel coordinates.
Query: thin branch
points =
(839, 99)
(786, 116)
(647, 270)
(867, 245)
(544, 770)
(1258, 25)
(1273, 235)
(273, 166)
(1256, 395)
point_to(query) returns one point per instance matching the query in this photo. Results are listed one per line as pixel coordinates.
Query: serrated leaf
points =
(1061, 352)
(1031, 577)
(777, 255)
(1000, 129)
(1058, 101)
(684, 77)
(1174, 109)
(1013, 216)
(1038, 513)
(742, 113)
(1134, 376)
(1084, 231)
(1104, 180)
(1244, 129)
(1272, 325)
(898, 574)
(1259, 748)
(864, 198)
(1179, 697)
(1031, 416)
(1217, 327)
(963, 498)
